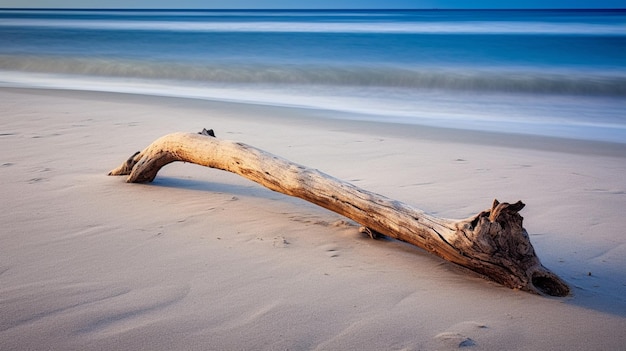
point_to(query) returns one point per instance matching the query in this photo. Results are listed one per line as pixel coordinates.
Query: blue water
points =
(555, 73)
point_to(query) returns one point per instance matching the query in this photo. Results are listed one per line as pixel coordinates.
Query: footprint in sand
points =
(455, 340)
(331, 250)
(461, 335)
(280, 242)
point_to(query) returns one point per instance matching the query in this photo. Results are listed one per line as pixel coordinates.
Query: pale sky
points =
(314, 4)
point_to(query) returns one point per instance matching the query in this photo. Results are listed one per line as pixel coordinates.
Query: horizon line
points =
(307, 9)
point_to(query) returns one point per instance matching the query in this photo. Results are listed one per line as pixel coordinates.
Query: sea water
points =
(558, 73)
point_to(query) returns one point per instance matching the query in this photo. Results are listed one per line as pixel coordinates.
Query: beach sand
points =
(203, 259)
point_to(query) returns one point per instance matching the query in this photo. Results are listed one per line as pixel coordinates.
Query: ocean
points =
(559, 73)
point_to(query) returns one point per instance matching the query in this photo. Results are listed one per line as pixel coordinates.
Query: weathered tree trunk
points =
(492, 243)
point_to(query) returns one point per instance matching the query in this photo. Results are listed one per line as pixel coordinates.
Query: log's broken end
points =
(495, 244)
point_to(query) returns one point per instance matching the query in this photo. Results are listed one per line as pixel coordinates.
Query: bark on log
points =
(492, 243)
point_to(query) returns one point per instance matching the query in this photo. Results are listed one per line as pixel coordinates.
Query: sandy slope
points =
(206, 260)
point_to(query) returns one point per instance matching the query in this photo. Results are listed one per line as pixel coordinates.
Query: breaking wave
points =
(477, 80)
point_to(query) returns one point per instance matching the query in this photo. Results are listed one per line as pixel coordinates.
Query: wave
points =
(580, 117)
(610, 84)
(461, 27)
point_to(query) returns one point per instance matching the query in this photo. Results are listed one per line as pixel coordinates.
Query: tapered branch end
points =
(127, 167)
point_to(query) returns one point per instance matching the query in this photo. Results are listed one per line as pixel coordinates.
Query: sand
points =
(206, 260)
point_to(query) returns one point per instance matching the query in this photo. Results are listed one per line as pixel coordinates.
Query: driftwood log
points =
(492, 243)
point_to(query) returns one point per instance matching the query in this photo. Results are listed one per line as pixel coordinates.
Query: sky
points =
(314, 4)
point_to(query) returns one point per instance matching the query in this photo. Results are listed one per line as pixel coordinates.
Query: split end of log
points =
(495, 244)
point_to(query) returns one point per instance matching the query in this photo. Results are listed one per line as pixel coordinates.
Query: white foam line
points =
(365, 108)
(331, 27)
